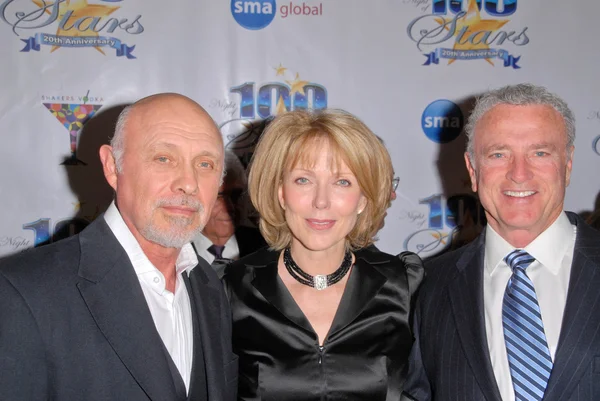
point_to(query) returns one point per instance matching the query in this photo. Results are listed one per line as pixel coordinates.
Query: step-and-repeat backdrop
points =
(409, 68)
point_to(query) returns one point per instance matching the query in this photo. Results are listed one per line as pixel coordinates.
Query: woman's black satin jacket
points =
(364, 355)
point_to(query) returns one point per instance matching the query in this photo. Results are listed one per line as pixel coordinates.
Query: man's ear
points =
(109, 166)
(472, 172)
(569, 166)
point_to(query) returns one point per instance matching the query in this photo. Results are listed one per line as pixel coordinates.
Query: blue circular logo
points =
(442, 121)
(253, 14)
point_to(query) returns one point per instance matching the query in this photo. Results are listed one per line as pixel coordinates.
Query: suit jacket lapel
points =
(197, 390)
(208, 316)
(466, 299)
(115, 299)
(581, 321)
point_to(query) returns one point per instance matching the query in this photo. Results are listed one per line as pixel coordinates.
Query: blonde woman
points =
(316, 316)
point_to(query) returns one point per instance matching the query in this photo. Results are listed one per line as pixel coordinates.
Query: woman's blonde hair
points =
(290, 139)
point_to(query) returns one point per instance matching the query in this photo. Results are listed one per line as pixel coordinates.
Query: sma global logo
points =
(442, 121)
(258, 14)
(255, 14)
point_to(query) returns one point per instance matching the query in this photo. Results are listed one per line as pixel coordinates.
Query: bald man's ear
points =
(108, 165)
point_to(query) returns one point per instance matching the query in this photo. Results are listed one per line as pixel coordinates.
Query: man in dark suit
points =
(515, 315)
(224, 238)
(125, 310)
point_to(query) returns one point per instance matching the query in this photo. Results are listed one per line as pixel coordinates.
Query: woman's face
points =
(321, 201)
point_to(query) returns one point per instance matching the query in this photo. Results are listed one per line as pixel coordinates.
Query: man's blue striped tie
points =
(526, 345)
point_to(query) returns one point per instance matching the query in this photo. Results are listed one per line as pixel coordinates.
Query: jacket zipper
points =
(321, 350)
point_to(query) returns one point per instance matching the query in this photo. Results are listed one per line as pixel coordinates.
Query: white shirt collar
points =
(496, 248)
(548, 248)
(233, 246)
(186, 260)
(202, 243)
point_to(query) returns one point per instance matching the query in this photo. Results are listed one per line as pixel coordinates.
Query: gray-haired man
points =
(515, 315)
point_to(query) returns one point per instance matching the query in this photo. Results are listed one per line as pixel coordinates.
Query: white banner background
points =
(358, 55)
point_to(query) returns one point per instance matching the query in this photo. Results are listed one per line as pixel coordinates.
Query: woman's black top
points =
(363, 357)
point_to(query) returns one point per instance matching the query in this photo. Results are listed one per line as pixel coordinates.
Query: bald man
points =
(125, 310)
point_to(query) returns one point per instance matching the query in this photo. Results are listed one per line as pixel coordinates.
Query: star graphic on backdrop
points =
(297, 85)
(473, 22)
(441, 237)
(280, 108)
(279, 70)
(80, 9)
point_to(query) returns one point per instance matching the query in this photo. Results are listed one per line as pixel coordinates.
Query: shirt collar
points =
(232, 245)
(496, 248)
(548, 248)
(202, 243)
(186, 260)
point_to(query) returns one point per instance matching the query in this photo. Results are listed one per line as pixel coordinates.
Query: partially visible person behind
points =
(317, 316)
(515, 314)
(594, 219)
(223, 238)
(125, 310)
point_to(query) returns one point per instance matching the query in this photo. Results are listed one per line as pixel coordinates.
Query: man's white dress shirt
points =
(553, 251)
(171, 313)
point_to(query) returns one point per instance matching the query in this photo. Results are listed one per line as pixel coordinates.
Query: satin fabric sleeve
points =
(416, 387)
